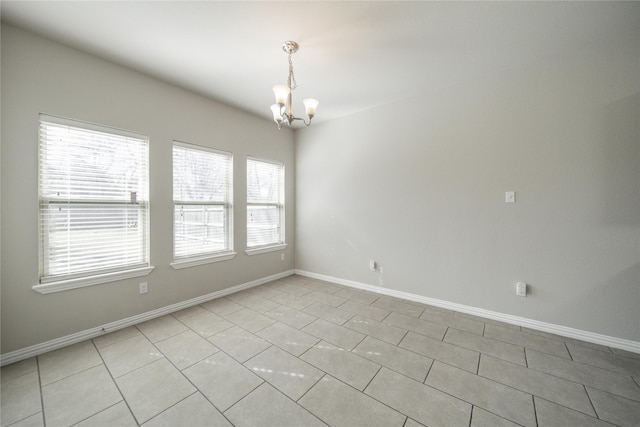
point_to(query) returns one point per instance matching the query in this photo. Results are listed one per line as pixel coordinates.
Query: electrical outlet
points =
(143, 288)
(510, 197)
(521, 289)
(281, 257)
(372, 265)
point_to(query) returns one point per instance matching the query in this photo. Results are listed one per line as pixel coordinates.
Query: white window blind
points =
(265, 203)
(93, 185)
(202, 197)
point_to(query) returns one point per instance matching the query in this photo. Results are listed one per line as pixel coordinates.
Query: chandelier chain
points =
(292, 78)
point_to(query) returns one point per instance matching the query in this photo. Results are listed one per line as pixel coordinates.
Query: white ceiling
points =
(353, 55)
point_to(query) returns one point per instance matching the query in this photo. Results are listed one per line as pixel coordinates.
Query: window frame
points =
(201, 258)
(48, 282)
(280, 204)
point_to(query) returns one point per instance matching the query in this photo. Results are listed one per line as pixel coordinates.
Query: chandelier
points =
(282, 109)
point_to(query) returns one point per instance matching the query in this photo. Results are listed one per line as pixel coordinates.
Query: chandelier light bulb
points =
(281, 92)
(310, 106)
(277, 113)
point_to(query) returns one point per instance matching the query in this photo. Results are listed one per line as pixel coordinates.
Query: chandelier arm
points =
(291, 119)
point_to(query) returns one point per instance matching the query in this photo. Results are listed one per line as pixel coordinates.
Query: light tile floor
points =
(302, 352)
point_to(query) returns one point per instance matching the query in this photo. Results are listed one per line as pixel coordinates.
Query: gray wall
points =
(42, 76)
(419, 186)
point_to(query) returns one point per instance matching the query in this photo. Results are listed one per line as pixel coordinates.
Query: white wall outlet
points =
(143, 288)
(521, 289)
(510, 197)
(372, 265)
(281, 257)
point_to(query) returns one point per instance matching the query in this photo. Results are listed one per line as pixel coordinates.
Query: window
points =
(265, 206)
(202, 196)
(93, 190)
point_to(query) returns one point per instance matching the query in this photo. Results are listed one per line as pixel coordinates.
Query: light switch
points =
(510, 197)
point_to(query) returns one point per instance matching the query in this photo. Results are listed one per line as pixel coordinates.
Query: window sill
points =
(192, 262)
(265, 249)
(64, 285)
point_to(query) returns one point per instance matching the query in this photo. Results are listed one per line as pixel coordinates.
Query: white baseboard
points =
(564, 331)
(35, 350)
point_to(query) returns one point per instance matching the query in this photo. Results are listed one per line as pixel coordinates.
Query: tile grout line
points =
(472, 404)
(586, 365)
(487, 338)
(101, 411)
(163, 339)
(306, 351)
(363, 391)
(568, 351)
(240, 399)
(446, 331)
(385, 317)
(611, 371)
(562, 379)
(591, 402)
(255, 355)
(547, 399)
(40, 386)
(359, 342)
(389, 368)
(478, 364)
(597, 417)
(312, 386)
(500, 416)
(373, 377)
(171, 406)
(197, 389)
(371, 380)
(115, 383)
(280, 392)
(37, 372)
(203, 395)
(402, 339)
(428, 372)
(68, 376)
